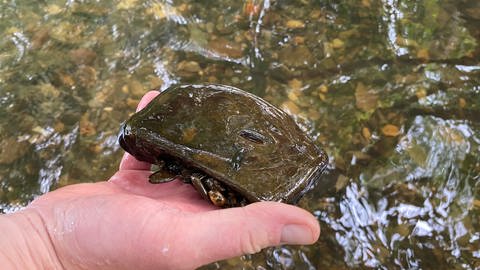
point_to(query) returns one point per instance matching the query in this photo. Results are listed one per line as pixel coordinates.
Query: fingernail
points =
(295, 234)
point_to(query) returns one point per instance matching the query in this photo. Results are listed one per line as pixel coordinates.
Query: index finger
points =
(129, 162)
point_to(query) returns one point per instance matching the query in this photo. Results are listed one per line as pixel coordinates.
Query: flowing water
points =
(389, 88)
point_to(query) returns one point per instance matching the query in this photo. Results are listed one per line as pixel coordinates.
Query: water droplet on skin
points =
(165, 250)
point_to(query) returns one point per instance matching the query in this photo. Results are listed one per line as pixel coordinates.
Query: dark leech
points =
(196, 180)
(161, 176)
(252, 136)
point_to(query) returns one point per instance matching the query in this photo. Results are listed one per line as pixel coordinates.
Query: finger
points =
(149, 96)
(136, 231)
(233, 232)
(128, 162)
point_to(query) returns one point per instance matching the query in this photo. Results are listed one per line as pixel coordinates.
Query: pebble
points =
(315, 14)
(154, 82)
(48, 90)
(189, 67)
(226, 48)
(40, 37)
(295, 24)
(66, 80)
(390, 130)
(53, 9)
(337, 43)
(323, 88)
(87, 128)
(296, 56)
(366, 133)
(365, 100)
(290, 107)
(423, 54)
(476, 203)
(183, 7)
(127, 4)
(83, 56)
(59, 127)
(135, 88)
(404, 42)
(295, 84)
(86, 76)
(341, 182)
(67, 32)
(421, 93)
(250, 8)
(293, 95)
(298, 40)
(157, 10)
(132, 103)
(209, 27)
(366, 3)
(313, 114)
(11, 150)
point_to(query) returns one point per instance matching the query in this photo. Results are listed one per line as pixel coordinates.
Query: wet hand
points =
(129, 223)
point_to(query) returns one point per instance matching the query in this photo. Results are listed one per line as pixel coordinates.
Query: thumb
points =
(227, 233)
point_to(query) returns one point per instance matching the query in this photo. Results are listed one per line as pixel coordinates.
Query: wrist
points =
(25, 242)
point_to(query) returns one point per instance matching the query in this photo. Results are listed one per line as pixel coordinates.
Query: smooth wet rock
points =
(251, 147)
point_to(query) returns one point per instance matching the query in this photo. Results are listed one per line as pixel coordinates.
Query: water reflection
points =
(389, 88)
(428, 212)
(392, 14)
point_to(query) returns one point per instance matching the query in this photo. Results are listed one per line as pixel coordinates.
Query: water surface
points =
(390, 89)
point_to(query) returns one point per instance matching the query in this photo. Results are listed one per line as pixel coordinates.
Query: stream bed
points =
(389, 88)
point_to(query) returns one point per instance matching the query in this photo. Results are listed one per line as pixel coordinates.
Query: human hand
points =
(128, 223)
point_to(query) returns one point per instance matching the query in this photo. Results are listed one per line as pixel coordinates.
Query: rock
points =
(365, 100)
(295, 84)
(323, 89)
(337, 43)
(39, 38)
(83, 56)
(188, 68)
(135, 88)
(127, 4)
(390, 130)
(226, 48)
(423, 54)
(290, 107)
(366, 133)
(86, 76)
(295, 24)
(11, 150)
(87, 128)
(53, 9)
(295, 57)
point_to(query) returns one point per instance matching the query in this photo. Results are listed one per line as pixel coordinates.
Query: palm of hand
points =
(129, 223)
(104, 215)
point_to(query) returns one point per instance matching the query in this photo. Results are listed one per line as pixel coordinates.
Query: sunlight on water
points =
(390, 89)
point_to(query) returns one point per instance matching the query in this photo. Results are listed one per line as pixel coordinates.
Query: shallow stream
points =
(390, 89)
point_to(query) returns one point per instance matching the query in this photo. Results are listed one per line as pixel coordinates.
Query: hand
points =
(128, 223)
